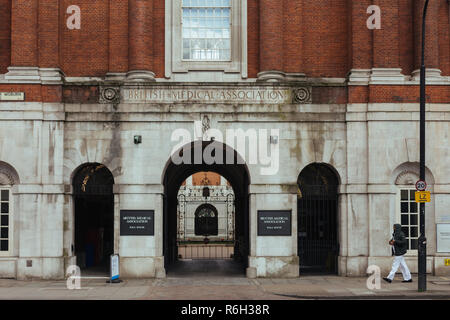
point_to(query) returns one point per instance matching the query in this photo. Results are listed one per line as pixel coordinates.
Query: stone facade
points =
(333, 107)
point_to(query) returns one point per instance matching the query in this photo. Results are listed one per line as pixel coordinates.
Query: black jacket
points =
(400, 244)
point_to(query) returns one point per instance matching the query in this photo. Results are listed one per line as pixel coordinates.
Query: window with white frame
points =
(5, 220)
(409, 216)
(206, 29)
(207, 38)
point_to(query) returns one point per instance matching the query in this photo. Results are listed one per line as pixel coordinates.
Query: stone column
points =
(271, 40)
(431, 41)
(24, 41)
(386, 53)
(140, 38)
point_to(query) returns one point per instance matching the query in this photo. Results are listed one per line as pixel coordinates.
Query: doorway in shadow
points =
(94, 218)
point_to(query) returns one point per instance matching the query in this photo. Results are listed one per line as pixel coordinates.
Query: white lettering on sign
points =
(274, 219)
(131, 219)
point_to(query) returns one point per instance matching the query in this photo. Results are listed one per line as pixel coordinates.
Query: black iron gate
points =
(318, 246)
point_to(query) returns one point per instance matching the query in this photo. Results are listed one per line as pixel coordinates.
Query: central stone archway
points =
(235, 172)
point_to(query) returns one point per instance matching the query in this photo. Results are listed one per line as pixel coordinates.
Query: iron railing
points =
(204, 251)
(318, 246)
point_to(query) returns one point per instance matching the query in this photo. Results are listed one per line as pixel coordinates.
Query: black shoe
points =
(387, 280)
(410, 280)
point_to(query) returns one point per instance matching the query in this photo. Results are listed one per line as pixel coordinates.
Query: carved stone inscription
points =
(212, 95)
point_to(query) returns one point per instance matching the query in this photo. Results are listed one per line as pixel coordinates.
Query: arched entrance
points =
(236, 174)
(317, 203)
(206, 220)
(94, 216)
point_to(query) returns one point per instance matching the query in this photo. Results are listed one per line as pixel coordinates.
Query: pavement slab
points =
(234, 287)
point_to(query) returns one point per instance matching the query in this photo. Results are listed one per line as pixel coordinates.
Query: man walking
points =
(399, 248)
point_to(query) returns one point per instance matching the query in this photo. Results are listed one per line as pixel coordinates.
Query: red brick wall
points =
(358, 94)
(5, 35)
(292, 30)
(84, 52)
(35, 92)
(386, 40)
(158, 37)
(408, 94)
(24, 40)
(326, 95)
(118, 36)
(406, 31)
(48, 33)
(271, 35)
(432, 34)
(360, 41)
(325, 50)
(253, 37)
(140, 44)
(319, 37)
(397, 94)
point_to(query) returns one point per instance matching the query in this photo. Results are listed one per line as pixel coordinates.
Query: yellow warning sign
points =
(447, 262)
(423, 196)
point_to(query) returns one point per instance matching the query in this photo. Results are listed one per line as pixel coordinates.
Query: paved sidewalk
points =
(235, 287)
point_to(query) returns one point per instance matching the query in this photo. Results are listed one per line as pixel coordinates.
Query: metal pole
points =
(422, 257)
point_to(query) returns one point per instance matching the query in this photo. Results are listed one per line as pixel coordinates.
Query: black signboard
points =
(137, 222)
(274, 223)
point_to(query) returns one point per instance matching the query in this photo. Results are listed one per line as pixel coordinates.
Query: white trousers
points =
(399, 261)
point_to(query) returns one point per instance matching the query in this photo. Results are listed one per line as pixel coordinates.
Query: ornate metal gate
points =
(185, 247)
(318, 246)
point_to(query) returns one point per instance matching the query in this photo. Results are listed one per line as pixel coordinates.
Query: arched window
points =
(206, 220)
(8, 178)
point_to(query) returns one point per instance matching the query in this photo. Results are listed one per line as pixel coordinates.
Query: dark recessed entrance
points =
(317, 203)
(94, 217)
(237, 175)
(206, 220)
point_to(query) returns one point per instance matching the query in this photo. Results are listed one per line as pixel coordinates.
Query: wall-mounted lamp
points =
(137, 139)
